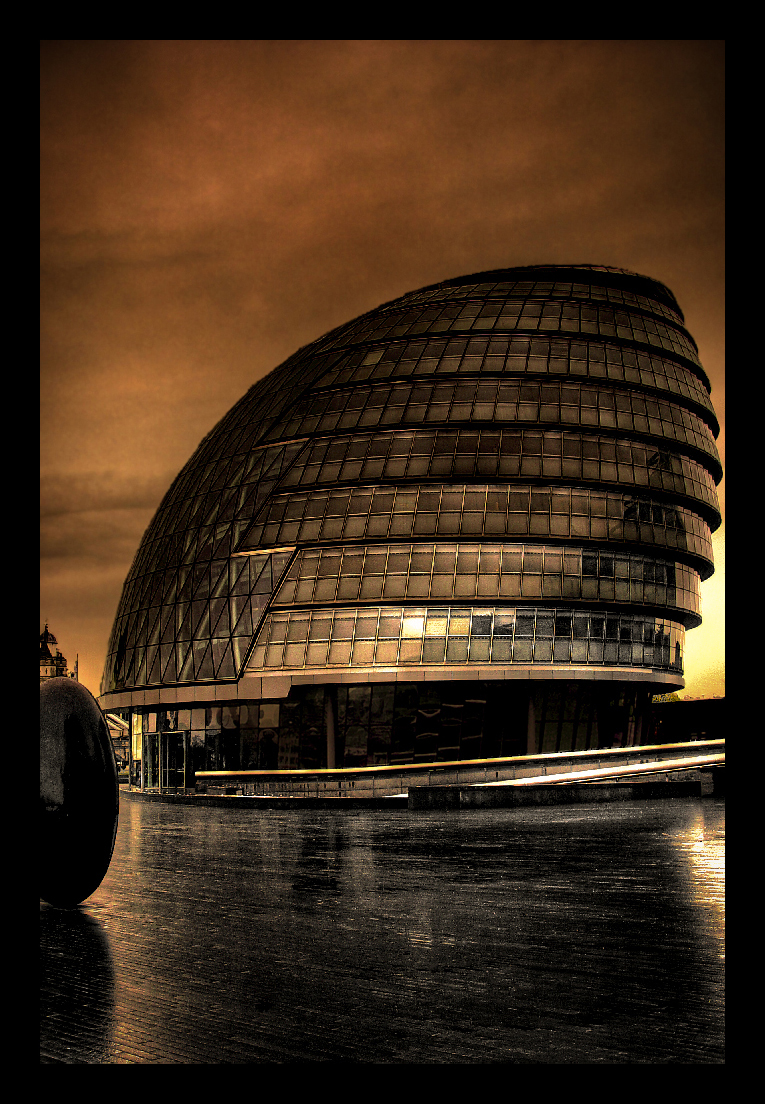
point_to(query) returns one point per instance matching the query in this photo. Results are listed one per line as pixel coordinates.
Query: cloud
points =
(95, 517)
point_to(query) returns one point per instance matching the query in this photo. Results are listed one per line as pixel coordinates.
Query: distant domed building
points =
(52, 663)
(469, 524)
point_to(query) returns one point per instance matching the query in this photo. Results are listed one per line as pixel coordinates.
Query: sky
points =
(208, 207)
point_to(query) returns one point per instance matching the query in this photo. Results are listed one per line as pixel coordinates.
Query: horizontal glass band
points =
(569, 317)
(485, 453)
(459, 510)
(592, 360)
(468, 635)
(424, 572)
(539, 289)
(495, 401)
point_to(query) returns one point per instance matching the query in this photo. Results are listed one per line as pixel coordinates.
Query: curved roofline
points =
(600, 275)
(596, 274)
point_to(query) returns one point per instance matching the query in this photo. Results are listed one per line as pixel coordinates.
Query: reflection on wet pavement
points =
(564, 935)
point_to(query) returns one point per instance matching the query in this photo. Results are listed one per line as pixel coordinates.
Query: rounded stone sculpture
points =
(79, 793)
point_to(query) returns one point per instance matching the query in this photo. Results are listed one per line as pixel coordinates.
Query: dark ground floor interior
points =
(380, 724)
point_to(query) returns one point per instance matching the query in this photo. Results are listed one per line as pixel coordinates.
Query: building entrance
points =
(173, 760)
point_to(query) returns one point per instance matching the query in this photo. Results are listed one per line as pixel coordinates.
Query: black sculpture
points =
(79, 793)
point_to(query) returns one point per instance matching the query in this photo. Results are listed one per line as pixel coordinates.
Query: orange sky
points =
(209, 207)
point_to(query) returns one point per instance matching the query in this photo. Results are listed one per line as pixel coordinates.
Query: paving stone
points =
(565, 935)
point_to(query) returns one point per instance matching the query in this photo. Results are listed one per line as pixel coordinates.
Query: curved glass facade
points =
(506, 476)
(389, 636)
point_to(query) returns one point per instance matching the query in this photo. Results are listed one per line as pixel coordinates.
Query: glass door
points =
(150, 760)
(172, 760)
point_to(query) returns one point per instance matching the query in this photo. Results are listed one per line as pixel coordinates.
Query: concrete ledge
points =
(718, 781)
(444, 797)
(481, 797)
(260, 684)
(294, 804)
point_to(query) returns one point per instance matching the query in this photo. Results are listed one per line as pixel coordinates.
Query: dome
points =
(52, 663)
(507, 471)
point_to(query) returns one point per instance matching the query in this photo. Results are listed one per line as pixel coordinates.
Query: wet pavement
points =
(568, 935)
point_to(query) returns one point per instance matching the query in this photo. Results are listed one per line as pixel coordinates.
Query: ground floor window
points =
(378, 724)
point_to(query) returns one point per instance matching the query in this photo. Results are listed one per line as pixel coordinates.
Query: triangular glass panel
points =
(223, 547)
(263, 584)
(154, 620)
(156, 588)
(202, 628)
(161, 556)
(239, 533)
(185, 582)
(169, 587)
(201, 580)
(196, 504)
(218, 646)
(178, 545)
(223, 627)
(185, 631)
(272, 462)
(264, 490)
(185, 667)
(236, 604)
(167, 662)
(226, 668)
(236, 471)
(246, 501)
(198, 611)
(143, 588)
(218, 578)
(227, 508)
(279, 562)
(140, 678)
(205, 546)
(204, 481)
(240, 645)
(256, 565)
(212, 506)
(128, 595)
(258, 613)
(234, 462)
(136, 587)
(205, 668)
(153, 658)
(244, 625)
(189, 549)
(218, 482)
(217, 605)
(167, 625)
(240, 575)
(253, 467)
(130, 631)
(291, 454)
(184, 512)
(146, 600)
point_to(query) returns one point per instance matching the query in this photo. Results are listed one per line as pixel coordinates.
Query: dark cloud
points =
(210, 206)
(100, 492)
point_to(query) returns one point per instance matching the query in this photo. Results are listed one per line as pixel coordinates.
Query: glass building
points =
(470, 523)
